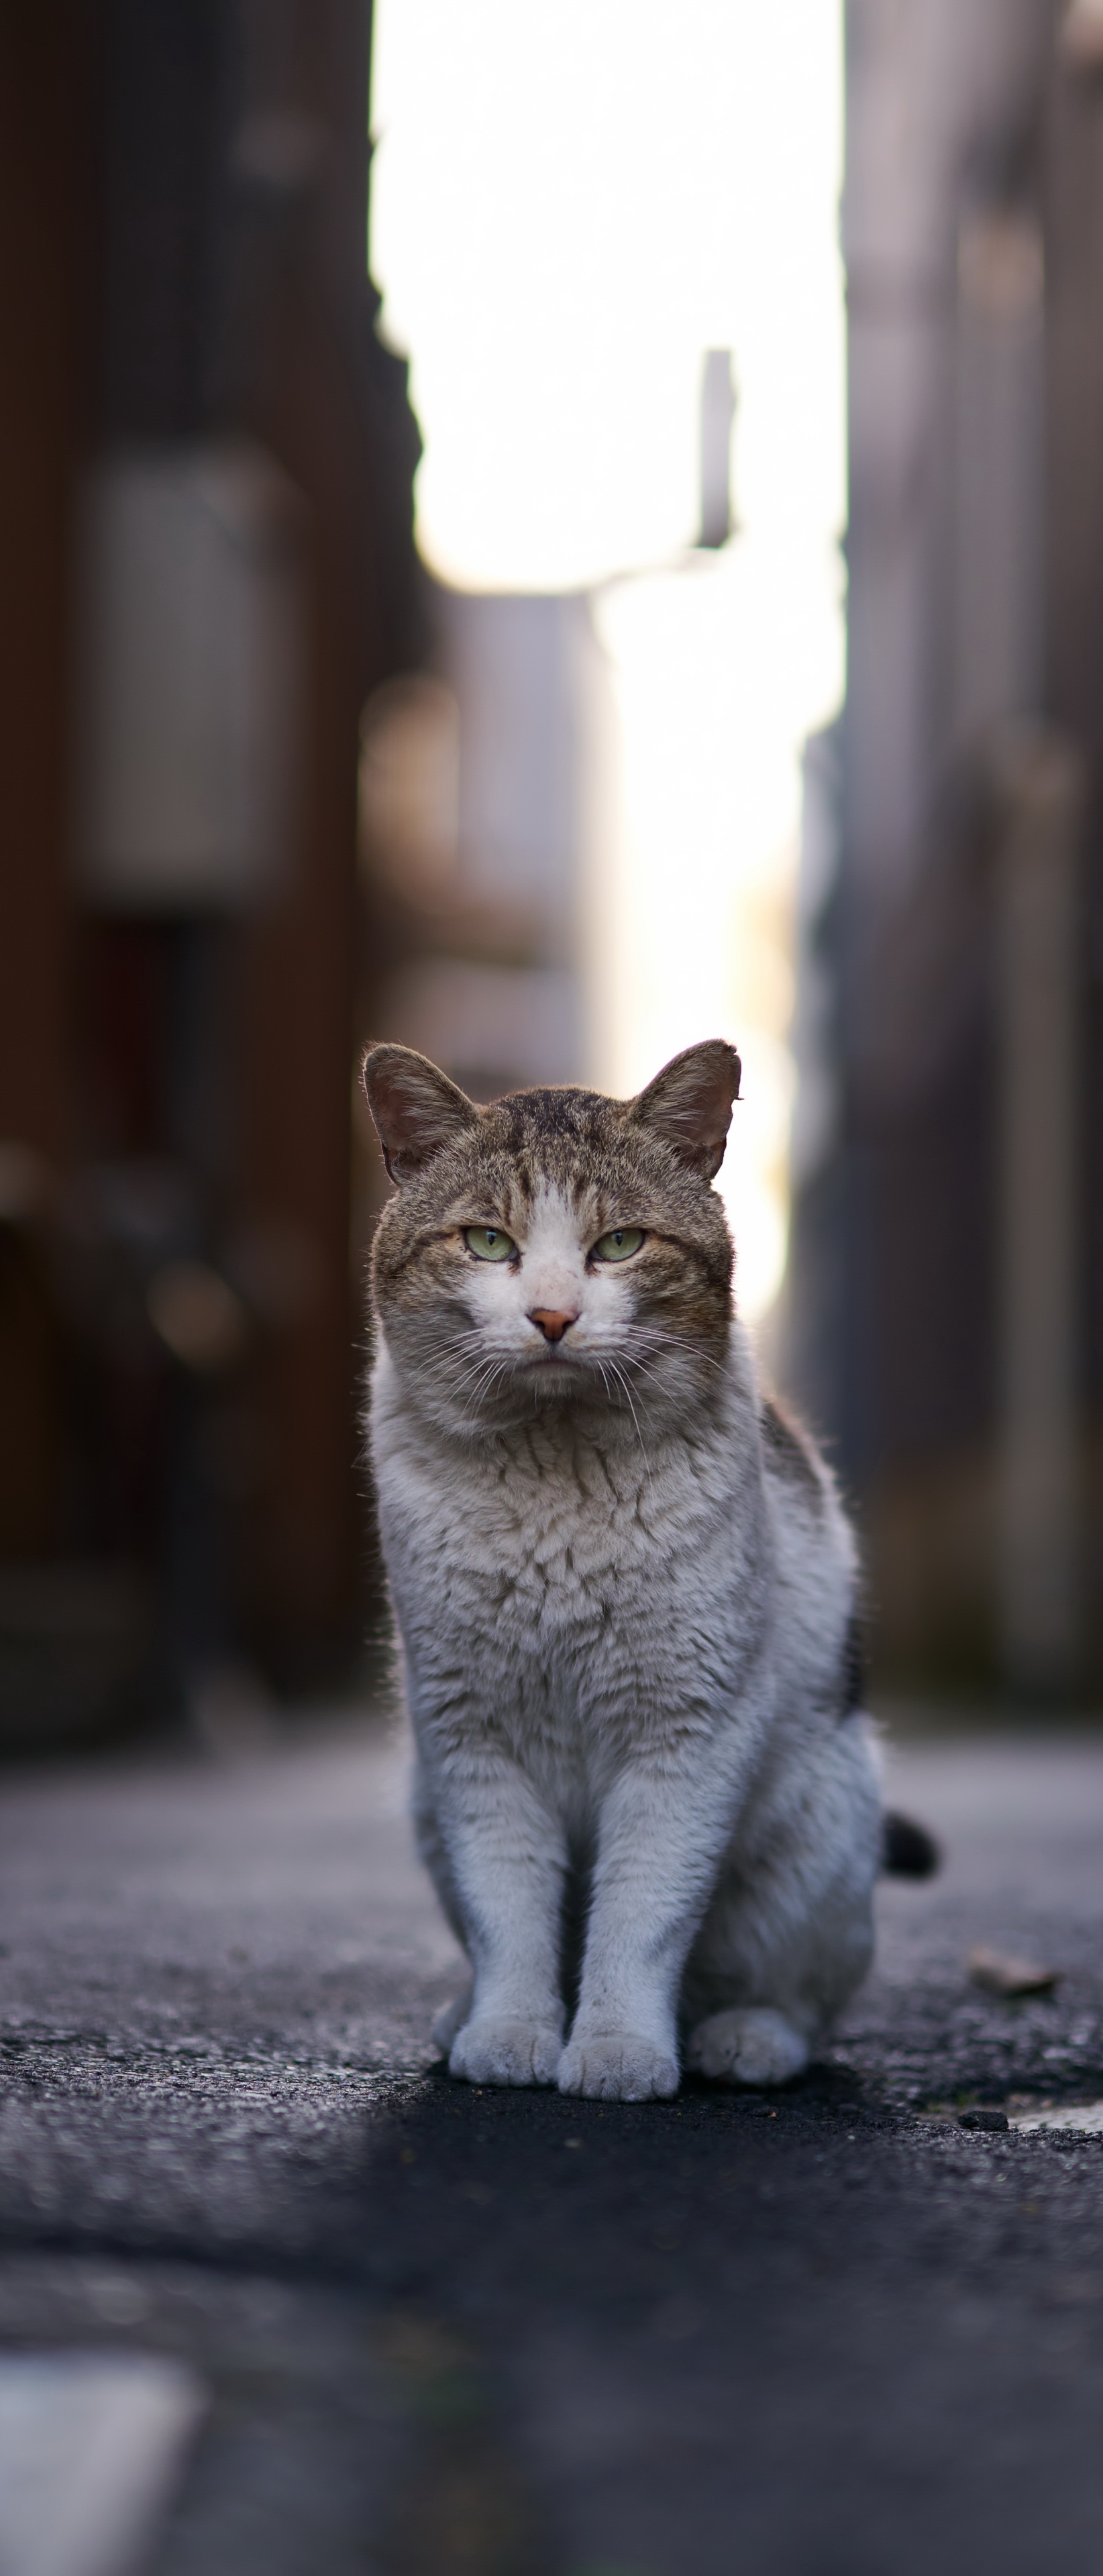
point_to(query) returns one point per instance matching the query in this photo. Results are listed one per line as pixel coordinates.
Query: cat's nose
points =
(553, 1321)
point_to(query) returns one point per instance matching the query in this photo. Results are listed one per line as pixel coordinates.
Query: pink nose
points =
(553, 1322)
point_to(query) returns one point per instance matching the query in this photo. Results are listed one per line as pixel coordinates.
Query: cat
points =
(625, 1590)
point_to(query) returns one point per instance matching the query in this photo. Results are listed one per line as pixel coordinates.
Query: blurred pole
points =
(718, 408)
(999, 499)
(1040, 784)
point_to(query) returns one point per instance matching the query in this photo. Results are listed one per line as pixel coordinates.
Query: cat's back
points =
(813, 1552)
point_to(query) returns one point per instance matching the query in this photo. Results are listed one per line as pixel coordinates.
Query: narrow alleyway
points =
(832, 2333)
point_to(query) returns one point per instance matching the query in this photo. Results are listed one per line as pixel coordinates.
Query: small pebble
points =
(985, 2118)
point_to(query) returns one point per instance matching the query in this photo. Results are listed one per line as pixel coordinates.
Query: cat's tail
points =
(907, 1850)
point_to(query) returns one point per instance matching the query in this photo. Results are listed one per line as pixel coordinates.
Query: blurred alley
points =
(543, 536)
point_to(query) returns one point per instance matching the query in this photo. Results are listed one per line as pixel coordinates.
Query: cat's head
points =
(556, 1248)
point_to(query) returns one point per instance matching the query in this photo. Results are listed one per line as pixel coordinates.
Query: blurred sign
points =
(190, 678)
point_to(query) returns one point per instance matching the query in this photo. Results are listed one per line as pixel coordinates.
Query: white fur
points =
(623, 1633)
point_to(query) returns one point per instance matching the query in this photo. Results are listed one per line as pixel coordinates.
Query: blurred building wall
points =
(189, 346)
(47, 177)
(478, 788)
(944, 1295)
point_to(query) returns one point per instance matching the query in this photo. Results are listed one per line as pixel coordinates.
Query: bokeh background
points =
(546, 534)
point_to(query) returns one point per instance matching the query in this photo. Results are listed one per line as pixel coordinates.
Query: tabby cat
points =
(625, 1590)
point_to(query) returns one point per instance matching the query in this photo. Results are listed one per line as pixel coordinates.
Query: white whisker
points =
(622, 1381)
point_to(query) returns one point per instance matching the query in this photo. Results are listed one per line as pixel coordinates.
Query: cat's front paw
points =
(506, 2052)
(751, 2045)
(618, 2066)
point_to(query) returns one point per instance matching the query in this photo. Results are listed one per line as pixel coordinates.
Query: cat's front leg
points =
(662, 1833)
(506, 1860)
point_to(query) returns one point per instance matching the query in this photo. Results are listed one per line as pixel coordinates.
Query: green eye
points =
(620, 1244)
(489, 1243)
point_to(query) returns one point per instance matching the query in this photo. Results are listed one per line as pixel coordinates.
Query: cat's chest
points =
(544, 1540)
(546, 1531)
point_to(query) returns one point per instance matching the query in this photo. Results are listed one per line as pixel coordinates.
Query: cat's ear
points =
(690, 1103)
(415, 1108)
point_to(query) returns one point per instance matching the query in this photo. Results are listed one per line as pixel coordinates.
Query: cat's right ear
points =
(415, 1108)
(690, 1104)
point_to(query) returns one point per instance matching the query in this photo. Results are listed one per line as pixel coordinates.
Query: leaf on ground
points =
(1001, 1974)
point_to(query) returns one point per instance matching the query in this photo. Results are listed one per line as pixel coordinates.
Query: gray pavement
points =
(831, 2333)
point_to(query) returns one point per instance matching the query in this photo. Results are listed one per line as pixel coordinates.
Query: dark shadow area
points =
(551, 2335)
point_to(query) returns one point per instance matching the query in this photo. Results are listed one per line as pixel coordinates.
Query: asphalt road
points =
(827, 2333)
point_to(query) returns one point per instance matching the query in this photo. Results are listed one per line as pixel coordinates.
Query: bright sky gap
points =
(570, 206)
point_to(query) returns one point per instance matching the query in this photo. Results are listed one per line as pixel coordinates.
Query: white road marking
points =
(91, 2448)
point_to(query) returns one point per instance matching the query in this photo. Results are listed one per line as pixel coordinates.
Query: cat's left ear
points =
(415, 1108)
(690, 1103)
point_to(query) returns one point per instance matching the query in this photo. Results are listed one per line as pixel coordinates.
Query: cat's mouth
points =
(553, 1362)
(554, 1374)
(560, 1364)
(564, 1354)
